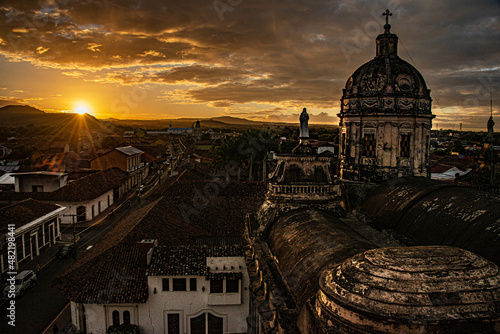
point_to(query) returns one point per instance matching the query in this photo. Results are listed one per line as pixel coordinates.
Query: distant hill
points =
(235, 120)
(215, 122)
(18, 115)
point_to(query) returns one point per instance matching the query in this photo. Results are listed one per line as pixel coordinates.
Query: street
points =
(40, 305)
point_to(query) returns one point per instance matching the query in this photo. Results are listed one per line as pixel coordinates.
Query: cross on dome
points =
(387, 26)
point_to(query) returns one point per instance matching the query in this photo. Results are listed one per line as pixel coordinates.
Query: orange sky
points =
(261, 60)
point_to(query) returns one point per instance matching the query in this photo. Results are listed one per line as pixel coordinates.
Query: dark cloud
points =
(278, 52)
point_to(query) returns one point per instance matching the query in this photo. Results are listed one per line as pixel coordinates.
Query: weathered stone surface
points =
(436, 213)
(425, 289)
(305, 242)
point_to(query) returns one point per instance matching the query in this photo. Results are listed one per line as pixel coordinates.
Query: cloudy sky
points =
(257, 59)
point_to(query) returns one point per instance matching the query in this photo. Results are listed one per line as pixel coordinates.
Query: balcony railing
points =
(278, 189)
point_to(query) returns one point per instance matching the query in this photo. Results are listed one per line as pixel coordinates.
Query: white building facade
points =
(188, 291)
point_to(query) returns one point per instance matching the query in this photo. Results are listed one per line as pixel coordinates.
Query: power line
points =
(428, 85)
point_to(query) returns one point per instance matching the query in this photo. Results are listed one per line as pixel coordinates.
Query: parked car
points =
(65, 250)
(24, 280)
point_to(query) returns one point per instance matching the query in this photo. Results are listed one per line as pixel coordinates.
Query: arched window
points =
(93, 211)
(81, 214)
(126, 317)
(116, 318)
(207, 323)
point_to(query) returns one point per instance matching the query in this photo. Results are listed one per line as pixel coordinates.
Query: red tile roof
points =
(187, 260)
(85, 188)
(116, 276)
(25, 212)
(176, 220)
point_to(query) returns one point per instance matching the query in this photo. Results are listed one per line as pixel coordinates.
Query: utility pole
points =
(74, 233)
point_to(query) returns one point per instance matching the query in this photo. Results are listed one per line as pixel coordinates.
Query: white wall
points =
(190, 304)
(24, 183)
(95, 318)
(72, 206)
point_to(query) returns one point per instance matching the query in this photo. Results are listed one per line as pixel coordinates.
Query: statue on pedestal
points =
(304, 127)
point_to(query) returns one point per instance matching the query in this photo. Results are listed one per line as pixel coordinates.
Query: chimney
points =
(146, 250)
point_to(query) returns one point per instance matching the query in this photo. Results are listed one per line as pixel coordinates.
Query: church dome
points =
(431, 289)
(386, 84)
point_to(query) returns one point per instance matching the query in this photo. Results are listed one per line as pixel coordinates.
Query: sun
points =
(82, 108)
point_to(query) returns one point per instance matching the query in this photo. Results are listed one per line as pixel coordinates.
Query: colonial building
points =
(39, 181)
(83, 199)
(126, 158)
(385, 117)
(192, 278)
(176, 289)
(36, 228)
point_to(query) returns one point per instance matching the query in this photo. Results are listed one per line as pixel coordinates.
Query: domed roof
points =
(439, 288)
(386, 84)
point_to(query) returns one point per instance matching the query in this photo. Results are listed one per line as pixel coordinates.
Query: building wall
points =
(190, 304)
(71, 207)
(95, 318)
(132, 164)
(25, 183)
(110, 160)
(388, 132)
(152, 316)
(32, 239)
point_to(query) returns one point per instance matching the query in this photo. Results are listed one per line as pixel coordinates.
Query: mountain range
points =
(23, 115)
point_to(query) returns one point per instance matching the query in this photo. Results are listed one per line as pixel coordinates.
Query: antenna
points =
(491, 101)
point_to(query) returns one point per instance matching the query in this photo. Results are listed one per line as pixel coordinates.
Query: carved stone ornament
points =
(370, 103)
(404, 82)
(406, 104)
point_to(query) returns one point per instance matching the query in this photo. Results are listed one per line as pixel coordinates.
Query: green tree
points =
(247, 151)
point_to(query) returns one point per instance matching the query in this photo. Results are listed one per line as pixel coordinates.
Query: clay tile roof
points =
(129, 150)
(110, 272)
(116, 276)
(187, 260)
(88, 187)
(25, 212)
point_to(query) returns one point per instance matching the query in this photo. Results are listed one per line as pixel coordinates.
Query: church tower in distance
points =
(385, 117)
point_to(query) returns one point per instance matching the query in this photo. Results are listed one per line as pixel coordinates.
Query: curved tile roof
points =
(306, 242)
(436, 213)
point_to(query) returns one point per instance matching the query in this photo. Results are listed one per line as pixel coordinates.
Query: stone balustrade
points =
(276, 189)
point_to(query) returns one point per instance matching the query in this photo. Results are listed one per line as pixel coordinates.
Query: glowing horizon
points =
(163, 60)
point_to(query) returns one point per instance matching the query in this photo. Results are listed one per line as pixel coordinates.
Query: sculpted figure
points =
(304, 127)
